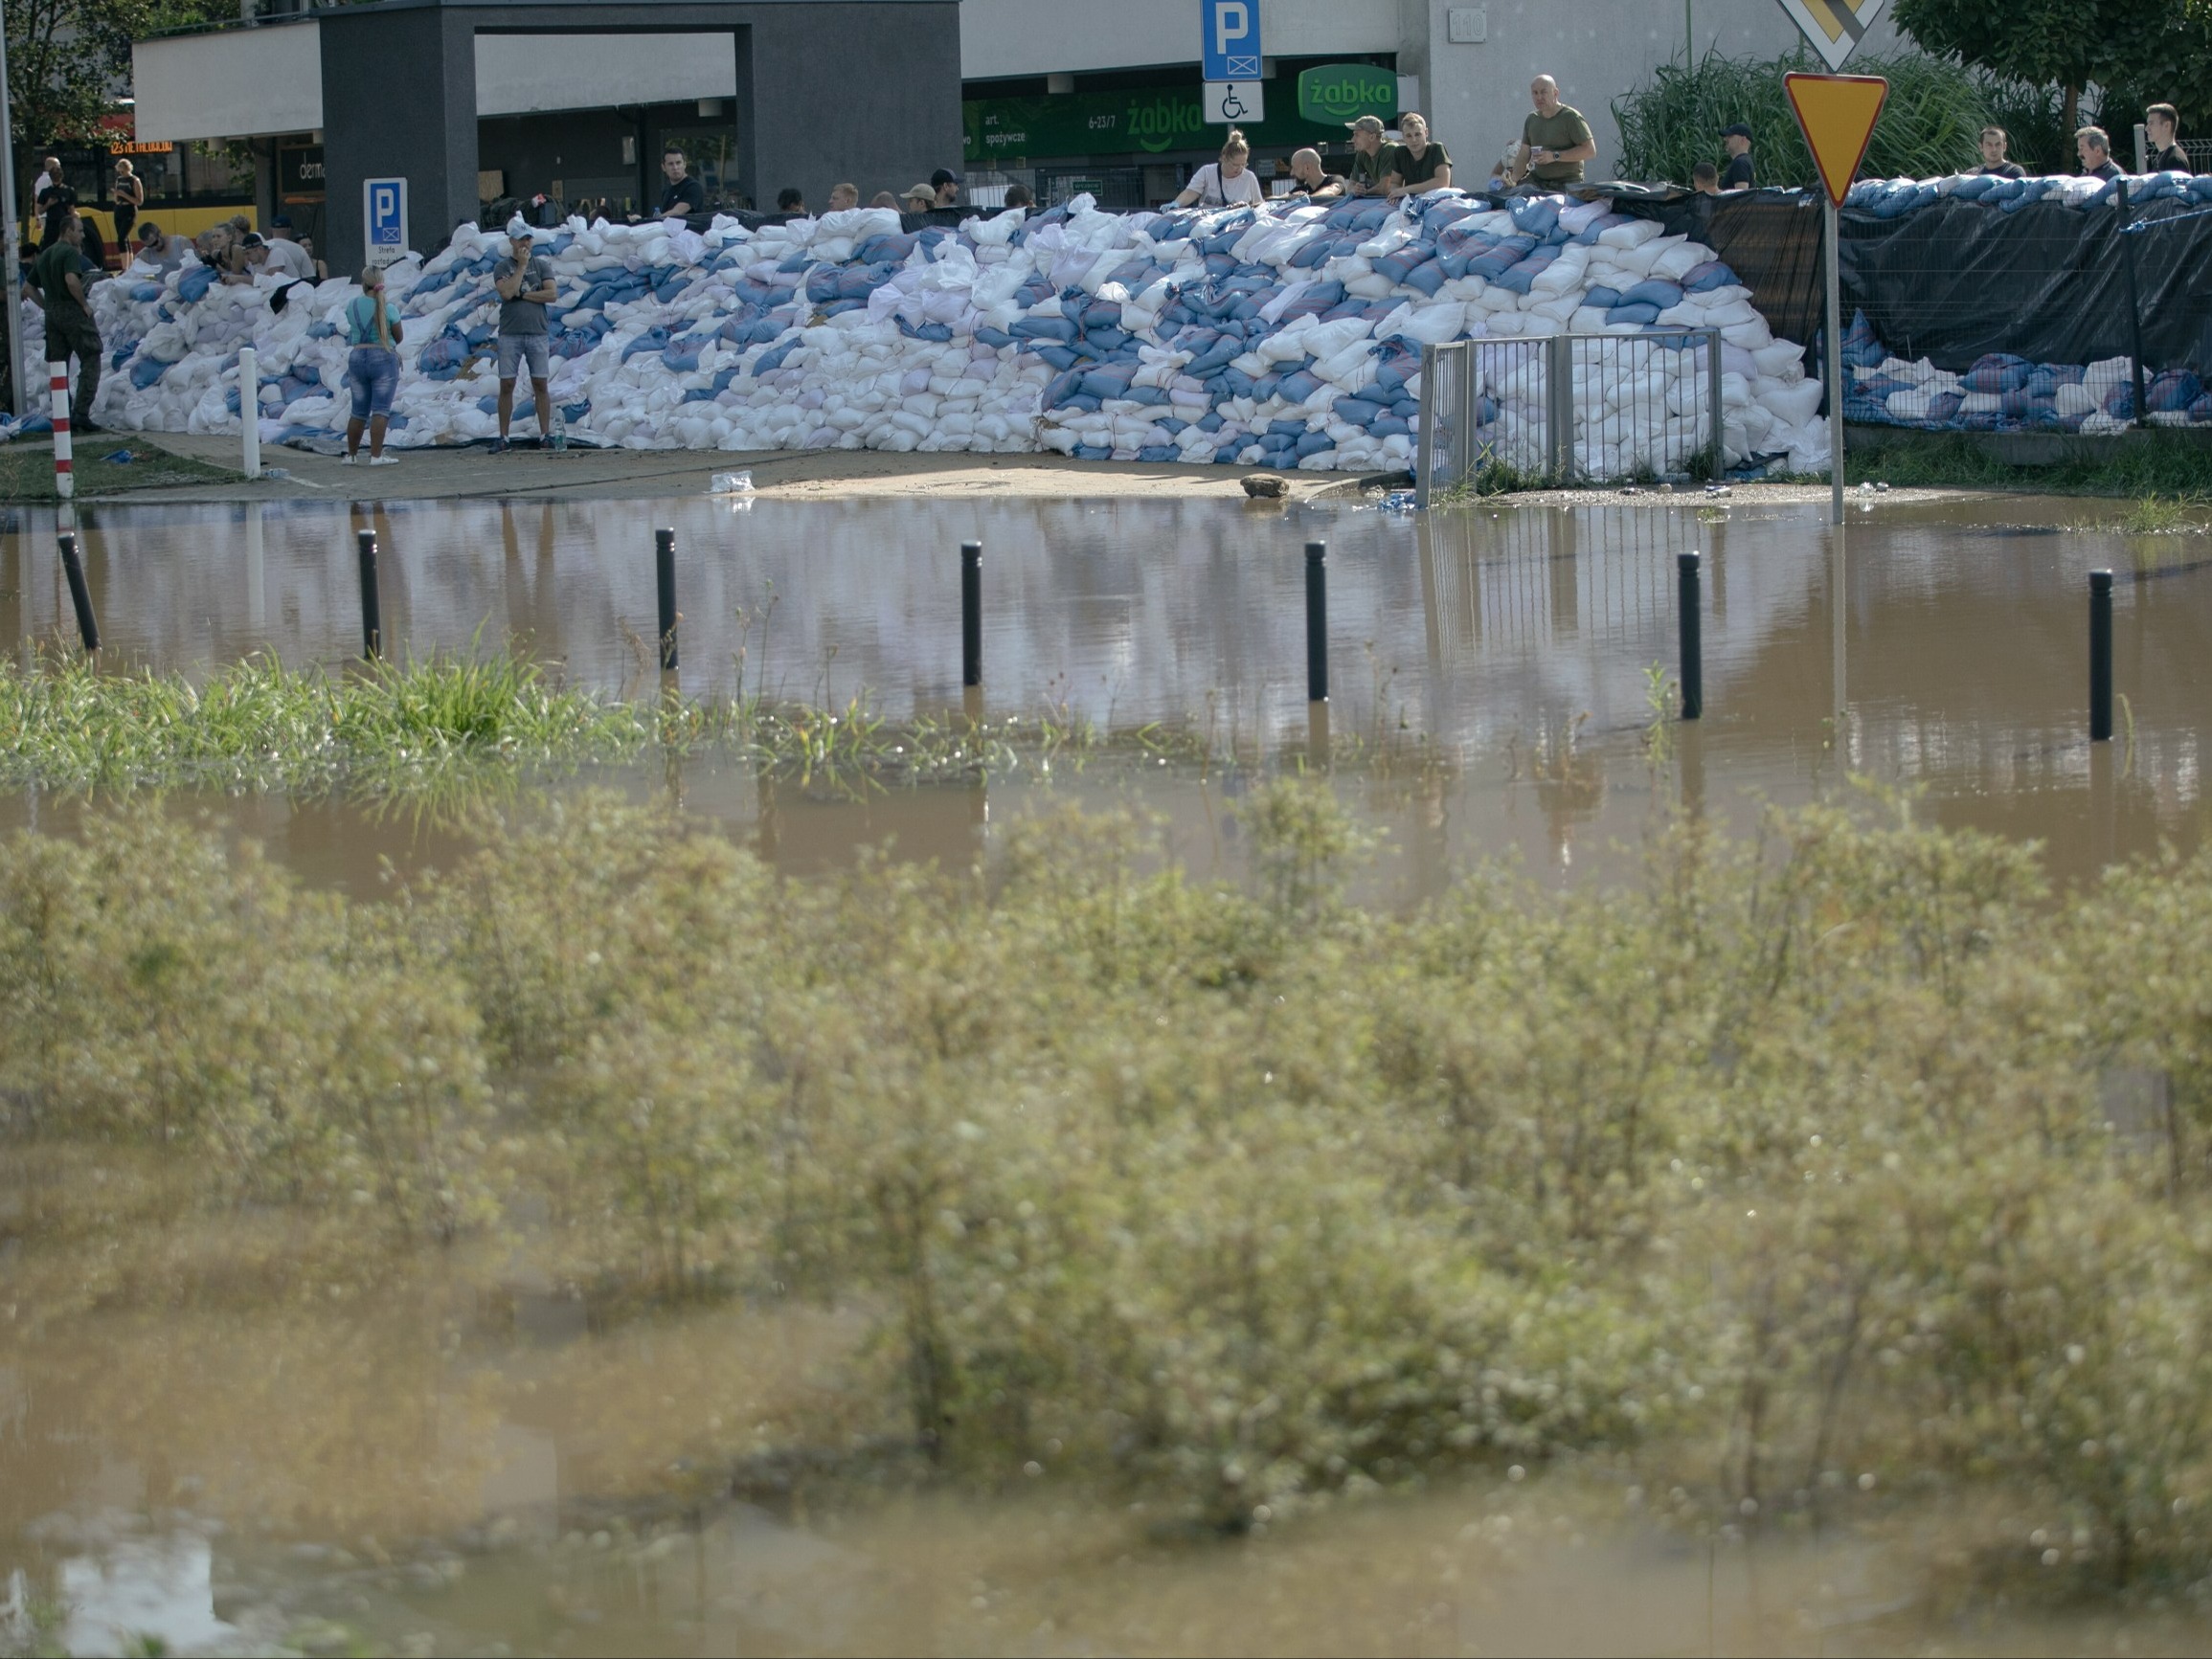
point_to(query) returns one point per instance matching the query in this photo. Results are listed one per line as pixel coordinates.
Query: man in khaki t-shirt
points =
(1554, 142)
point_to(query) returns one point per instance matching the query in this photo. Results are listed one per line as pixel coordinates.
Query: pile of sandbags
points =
(1281, 335)
(2000, 393)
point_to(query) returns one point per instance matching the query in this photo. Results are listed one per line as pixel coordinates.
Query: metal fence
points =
(1572, 408)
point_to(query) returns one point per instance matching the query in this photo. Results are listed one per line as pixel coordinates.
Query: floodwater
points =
(461, 1463)
(1939, 647)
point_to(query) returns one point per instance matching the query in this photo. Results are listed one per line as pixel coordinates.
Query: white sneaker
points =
(345, 461)
(383, 460)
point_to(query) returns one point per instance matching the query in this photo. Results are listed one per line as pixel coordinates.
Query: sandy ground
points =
(616, 474)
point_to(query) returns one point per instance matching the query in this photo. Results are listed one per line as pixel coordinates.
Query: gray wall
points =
(867, 90)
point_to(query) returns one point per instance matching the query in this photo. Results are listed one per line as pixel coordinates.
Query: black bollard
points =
(1317, 621)
(665, 579)
(1693, 666)
(2100, 656)
(79, 595)
(971, 614)
(372, 606)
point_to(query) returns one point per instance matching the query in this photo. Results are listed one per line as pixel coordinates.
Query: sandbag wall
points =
(1280, 336)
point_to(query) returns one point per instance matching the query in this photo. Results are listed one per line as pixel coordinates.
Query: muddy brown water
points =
(1936, 646)
(427, 1471)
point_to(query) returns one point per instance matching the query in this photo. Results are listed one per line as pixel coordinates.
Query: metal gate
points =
(1570, 409)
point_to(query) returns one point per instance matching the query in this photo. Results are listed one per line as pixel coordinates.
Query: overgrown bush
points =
(1929, 126)
(1791, 1167)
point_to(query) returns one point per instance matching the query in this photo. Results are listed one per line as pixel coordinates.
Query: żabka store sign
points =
(1341, 92)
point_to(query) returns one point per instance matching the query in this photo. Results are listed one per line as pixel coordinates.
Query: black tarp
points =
(1953, 282)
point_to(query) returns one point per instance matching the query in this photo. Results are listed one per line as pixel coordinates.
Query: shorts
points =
(515, 349)
(372, 376)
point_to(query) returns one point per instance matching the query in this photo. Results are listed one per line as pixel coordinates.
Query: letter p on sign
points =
(384, 219)
(1228, 39)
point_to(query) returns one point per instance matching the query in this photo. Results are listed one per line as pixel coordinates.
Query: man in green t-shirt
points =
(58, 279)
(1369, 164)
(1554, 142)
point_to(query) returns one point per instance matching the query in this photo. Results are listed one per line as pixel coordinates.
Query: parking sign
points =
(1229, 32)
(384, 219)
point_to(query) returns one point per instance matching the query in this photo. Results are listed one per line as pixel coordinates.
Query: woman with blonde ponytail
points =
(1228, 182)
(371, 368)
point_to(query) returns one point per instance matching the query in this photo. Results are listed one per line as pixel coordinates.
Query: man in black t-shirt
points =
(1994, 164)
(684, 195)
(2162, 123)
(1737, 175)
(2096, 152)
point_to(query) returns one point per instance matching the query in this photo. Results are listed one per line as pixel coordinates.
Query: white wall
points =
(1003, 37)
(238, 82)
(519, 72)
(232, 83)
(1476, 95)
(1595, 48)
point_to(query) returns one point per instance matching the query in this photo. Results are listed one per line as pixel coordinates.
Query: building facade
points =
(482, 104)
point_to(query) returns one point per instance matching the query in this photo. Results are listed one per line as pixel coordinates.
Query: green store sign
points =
(1335, 93)
(1152, 121)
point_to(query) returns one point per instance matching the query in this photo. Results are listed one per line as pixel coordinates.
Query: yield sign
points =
(1834, 27)
(1838, 113)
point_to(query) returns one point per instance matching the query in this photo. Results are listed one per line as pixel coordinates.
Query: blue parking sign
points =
(1231, 39)
(384, 219)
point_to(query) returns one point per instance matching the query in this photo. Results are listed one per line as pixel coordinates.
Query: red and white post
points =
(64, 481)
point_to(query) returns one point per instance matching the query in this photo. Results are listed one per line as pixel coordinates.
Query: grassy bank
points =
(2159, 464)
(1848, 1159)
(27, 468)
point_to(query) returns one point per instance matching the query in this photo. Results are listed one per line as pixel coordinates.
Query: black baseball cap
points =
(942, 177)
(1739, 130)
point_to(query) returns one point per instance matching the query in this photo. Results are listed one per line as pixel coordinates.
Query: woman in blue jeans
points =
(371, 368)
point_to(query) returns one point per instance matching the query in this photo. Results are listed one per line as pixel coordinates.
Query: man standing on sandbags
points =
(1554, 142)
(525, 284)
(1739, 174)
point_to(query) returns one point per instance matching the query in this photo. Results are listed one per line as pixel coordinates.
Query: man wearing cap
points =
(1368, 172)
(1554, 142)
(524, 283)
(1737, 175)
(947, 185)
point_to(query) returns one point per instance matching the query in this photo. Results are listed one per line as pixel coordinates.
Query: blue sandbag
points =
(1598, 296)
(1058, 356)
(2173, 392)
(1640, 314)
(775, 357)
(996, 338)
(1312, 443)
(1387, 426)
(146, 371)
(1428, 278)
(1654, 291)
(194, 284)
(1060, 329)
(1154, 454)
(1358, 410)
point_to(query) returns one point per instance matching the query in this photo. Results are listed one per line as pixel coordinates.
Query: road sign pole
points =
(1834, 285)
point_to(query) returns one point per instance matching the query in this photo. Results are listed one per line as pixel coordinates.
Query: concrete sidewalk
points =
(630, 474)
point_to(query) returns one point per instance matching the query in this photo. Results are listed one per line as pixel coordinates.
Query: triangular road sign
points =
(1834, 27)
(1838, 113)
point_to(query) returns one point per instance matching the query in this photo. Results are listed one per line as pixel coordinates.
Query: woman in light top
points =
(1228, 182)
(371, 368)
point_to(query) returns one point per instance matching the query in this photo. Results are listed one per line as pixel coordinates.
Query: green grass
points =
(2161, 465)
(1845, 1158)
(448, 726)
(27, 468)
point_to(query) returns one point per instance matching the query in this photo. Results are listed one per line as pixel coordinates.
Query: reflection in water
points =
(1935, 652)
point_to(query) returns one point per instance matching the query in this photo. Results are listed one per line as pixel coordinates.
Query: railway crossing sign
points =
(1834, 27)
(1838, 113)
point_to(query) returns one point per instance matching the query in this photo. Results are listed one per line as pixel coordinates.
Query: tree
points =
(2118, 45)
(68, 60)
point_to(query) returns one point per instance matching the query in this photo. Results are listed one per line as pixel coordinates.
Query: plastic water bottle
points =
(560, 429)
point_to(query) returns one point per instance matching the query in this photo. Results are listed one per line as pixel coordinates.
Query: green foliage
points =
(67, 57)
(1930, 125)
(1796, 1163)
(2162, 52)
(2147, 465)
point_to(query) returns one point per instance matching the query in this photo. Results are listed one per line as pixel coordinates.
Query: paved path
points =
(616, 474)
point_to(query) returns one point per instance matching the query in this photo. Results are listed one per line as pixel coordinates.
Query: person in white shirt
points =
(285, 257)
(1228, 182)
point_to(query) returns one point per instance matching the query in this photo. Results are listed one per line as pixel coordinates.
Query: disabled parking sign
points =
(1230, 39)
(384, 219)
